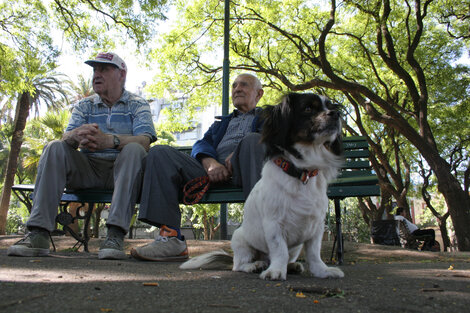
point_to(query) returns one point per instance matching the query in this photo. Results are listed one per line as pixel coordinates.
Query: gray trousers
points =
(61, 166)
(167, 170)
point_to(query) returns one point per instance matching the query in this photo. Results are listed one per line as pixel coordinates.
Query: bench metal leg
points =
(65, 218)
(86, 236)
(223, 221)
(339, 235)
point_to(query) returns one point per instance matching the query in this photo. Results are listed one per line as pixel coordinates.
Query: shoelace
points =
(23, 239)
(28, 235)
(113, 242)
(161, 238)
(52, 241)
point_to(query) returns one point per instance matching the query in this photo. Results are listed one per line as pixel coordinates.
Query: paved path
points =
(377, 279)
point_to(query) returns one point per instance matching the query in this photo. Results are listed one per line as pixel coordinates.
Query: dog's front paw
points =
(295, 268)
(255, 267)
(327, 272)
(273, 274)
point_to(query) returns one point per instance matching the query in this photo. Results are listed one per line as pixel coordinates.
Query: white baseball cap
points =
(110, 58)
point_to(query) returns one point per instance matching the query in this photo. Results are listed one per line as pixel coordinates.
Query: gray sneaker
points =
(112, 249)
(35, 243)
(163, 249)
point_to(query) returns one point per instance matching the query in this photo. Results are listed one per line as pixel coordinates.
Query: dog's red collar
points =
(292, 170)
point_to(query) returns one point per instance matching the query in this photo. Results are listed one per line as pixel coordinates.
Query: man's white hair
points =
(258, 84)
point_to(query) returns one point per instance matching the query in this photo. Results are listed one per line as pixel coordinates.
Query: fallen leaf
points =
(151, 284)
(300, 295)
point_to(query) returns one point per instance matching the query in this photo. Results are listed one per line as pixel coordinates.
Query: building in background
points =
(198, 126)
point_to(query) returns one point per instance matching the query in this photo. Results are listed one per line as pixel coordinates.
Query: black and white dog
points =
(286, 209)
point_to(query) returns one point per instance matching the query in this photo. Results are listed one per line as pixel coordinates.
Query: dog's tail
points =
(213, 260)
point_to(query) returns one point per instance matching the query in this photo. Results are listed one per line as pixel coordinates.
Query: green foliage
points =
(165, 137)
(16, 219)
(193, 215)
(353, 225)
(5, 135)
(355, 229)
(79, 89)
(427, 218)
(26, 46)
(100, 23)
(454, 16)
(177, 117)
(235, 212)
(196, 212)
(38, 133)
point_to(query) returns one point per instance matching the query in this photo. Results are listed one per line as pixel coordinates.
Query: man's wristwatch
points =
(116, 141)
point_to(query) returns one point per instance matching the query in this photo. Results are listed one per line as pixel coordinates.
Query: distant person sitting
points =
(415, 231)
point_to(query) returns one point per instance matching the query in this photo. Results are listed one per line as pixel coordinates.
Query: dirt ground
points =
(377, 279)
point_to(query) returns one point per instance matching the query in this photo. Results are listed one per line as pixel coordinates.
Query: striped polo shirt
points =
(130, 115)
(238, 127)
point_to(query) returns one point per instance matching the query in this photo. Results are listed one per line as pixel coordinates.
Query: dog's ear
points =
(275, 133)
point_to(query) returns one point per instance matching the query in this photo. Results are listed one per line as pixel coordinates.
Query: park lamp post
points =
(225, 101)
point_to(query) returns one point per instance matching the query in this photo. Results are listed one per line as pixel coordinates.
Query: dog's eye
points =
(308, 110)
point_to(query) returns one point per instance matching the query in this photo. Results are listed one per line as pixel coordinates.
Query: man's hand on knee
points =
(217, 172)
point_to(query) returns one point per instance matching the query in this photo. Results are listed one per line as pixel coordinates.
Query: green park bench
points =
(356, 179)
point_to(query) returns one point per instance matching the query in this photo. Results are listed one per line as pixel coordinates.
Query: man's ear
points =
(259, 95)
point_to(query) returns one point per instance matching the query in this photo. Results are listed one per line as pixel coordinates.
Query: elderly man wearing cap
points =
(113, 130)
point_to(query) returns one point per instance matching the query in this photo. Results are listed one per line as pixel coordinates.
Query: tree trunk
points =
(96, 223)
(458, 203)
(206, 224)
(443, 227)
(21, 115)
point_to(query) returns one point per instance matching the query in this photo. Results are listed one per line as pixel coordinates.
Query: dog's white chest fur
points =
(283, 203)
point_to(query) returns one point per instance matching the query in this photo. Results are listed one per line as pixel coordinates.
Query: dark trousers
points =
(426, 232)
(167, 170)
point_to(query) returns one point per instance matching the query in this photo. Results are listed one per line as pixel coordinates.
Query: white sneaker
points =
(163, 249)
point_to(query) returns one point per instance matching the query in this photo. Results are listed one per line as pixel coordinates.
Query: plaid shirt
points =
(129, 116)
